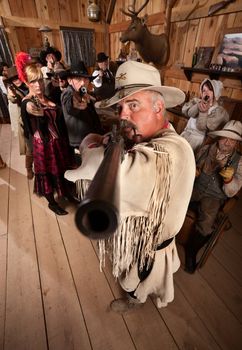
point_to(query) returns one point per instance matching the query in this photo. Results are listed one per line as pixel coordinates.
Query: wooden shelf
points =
(213, 74)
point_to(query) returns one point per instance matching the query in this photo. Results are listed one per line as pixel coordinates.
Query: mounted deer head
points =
(152, 48)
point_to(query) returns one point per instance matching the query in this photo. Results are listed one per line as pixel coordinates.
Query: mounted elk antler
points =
(152, 48)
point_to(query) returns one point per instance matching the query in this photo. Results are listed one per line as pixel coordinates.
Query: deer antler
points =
(131, 9)
(141, 8)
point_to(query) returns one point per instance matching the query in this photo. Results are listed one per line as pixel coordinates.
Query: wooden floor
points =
(53, 296)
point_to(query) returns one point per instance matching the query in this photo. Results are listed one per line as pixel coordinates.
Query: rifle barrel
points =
(97, 215)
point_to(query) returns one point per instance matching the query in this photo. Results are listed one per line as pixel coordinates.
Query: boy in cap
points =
(156, 180)
(219, 176)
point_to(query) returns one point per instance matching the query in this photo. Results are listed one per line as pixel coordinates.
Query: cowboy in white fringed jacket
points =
(156, 180)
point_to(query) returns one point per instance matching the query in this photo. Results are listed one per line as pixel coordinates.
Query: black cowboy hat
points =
(101, 57)
(61, 73)
(48, 51)
(79, 70)
(12, 74)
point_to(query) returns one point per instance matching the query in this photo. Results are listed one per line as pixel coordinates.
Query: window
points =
(78, 46)
(5, 53)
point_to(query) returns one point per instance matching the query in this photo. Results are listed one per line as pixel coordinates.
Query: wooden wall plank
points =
(30, 8)
(181, 11)
(54, 10)
(83, 11)
(190, 42)
(29, 38)
(5, 9)
(65, 11)
(24, 327)
(16, 7)
(74, 10)
(238, 19)
(42, 9)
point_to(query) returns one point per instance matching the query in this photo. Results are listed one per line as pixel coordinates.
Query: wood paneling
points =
(23, 18)
(190, 28)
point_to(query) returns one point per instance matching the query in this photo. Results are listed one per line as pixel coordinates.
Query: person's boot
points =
(125, 304)
(29, 166)
(54, 206)
(195, 242)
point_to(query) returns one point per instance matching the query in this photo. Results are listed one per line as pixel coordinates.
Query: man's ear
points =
(159, 107)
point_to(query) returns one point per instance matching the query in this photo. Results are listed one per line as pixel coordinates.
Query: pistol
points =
(82, 91)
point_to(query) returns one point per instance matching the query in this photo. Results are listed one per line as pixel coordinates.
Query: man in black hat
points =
(50, 59)
(56, 85)
(78, 109)
(104, 82)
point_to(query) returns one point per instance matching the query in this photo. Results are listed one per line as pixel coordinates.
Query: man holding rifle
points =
(156, 179)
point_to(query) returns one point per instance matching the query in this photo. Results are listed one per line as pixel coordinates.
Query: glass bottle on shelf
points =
(194, 58)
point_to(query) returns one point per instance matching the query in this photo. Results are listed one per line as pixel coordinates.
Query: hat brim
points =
(10, 79)
(172, 96)
(225, 133)
(80, 75)
(102, 60)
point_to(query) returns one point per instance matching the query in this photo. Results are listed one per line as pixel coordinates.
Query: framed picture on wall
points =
(228, 54)
(204, 57)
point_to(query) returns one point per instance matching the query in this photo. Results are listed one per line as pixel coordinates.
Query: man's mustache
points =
(124, 124)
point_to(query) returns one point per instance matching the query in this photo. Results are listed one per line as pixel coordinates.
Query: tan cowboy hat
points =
(133, 76)
(231, 130)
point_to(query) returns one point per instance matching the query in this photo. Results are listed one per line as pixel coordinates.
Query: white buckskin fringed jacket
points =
(156, 181)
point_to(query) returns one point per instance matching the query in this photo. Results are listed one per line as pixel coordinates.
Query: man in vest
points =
(218, 177)
(104, 80)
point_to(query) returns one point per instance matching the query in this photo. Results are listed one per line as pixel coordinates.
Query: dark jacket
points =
(79, 122)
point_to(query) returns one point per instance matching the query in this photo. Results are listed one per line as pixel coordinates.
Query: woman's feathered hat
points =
(21, 60)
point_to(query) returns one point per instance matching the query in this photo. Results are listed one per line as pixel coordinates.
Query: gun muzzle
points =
(82, 91)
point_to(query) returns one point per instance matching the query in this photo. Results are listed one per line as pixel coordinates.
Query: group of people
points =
(51, 111)
(157, 170)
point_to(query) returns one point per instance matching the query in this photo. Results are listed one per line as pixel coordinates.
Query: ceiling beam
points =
(109, 15)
